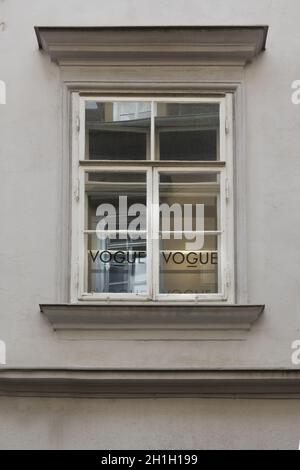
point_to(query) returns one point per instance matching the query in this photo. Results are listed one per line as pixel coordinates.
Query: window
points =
(153, 210)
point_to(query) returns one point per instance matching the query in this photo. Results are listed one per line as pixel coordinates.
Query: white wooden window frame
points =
(152, 167)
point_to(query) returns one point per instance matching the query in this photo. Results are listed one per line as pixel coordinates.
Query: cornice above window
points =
(175, 45)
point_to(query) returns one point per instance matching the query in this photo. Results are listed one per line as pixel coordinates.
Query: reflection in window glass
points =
(117, 130)
(187, 131)
(189, 208)
(190, 271)
(116, 232)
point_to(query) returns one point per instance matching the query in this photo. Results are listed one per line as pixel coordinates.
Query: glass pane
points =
(189, 209)
(191, 200)
(116, 232)
(117, 131)
(187, 131)
(189, 271)
(116, 265)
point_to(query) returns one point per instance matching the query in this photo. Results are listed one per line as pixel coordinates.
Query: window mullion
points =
(155, 232)
(152, 131)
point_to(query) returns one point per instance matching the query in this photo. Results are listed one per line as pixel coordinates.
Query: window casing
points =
(146, 149)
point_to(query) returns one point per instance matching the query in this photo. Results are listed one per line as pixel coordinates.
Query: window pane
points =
(189, 271)
(189, 232)
(185, 195)
(116, 232)
(116, 265)
(117, 130)
(187, 131)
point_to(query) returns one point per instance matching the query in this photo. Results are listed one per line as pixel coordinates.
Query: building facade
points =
(150, 253)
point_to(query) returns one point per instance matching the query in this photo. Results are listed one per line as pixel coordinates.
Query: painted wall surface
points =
(31, 191)
(149, 424)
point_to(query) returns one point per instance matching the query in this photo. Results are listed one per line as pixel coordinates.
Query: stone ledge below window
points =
(166, 317)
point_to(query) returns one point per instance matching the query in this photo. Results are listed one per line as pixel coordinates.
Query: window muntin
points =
(153, 279)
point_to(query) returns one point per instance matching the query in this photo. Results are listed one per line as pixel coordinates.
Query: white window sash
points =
(80, 166)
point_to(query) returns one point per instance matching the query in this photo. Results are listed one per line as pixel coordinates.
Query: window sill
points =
(114, 316)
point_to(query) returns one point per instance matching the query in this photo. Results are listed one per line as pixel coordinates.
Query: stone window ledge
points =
(151, 316)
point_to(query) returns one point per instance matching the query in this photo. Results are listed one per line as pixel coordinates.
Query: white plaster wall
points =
(31, 189)
(43, 423)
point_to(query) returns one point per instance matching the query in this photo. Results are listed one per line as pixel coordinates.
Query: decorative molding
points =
(124, 383)
(150, 316)
(159, 80)
(156, 78)
(164, 45)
